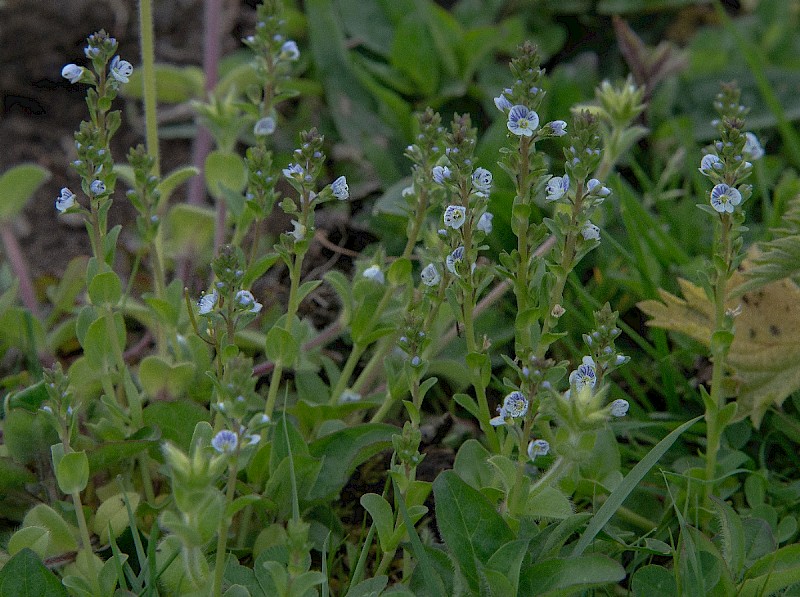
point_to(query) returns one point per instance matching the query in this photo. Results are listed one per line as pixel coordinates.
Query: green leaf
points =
(414, 54)
(567, 576)
(224, 170)
(628, 484)
(73, 280)
(468, 403)
(105, 289)
(161, 379)
(112, 515)
(173, 180)
(176, 420)
(281, 346)
(508, 561)
(382, 517)
(174, 84)
(190, 230)
(732, 534)
(343, 451)
(60, 536)
(481, 367)
(72, 472)
(773, 572)
(399, 272)
(653, 580)
(372, 587)
(258, 269)
(24, 575)
(469, 525)
(17, 186)
(307, 288)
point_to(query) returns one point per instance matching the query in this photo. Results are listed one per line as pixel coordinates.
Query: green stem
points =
(557, 470)
(86, 542)
(149, 81)
(291, 311)
(717, 400)
(224, 525)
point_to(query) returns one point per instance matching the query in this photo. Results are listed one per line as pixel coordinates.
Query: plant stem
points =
(20, 268)
(224, 525)
(718, 354)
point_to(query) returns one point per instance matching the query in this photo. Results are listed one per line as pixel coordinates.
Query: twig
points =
(20, 268)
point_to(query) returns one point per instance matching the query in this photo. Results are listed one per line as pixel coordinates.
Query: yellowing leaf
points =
(765, 354)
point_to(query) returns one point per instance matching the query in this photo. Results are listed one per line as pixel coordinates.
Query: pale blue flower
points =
(709, 163)
(515, 405)
(585, 375)
(121, 69)
(502, 103)
(294, 171)
(247, 301)
(225, 442)
(725, 198)
(290, 51)
(619, 408)
(265, 126)
(340, 189)
(522, 121)
(590, 232)
(97, 187)
(299, 232)
(538, 447)
(482, 181)
(374, 273)
(65, 200)
(753, 147)
(558, 128)
(440, 174)
(485, 223)
(557, 186)
(72, 72)
(595, 187)
(453, 259)
(455, 216)
(621, 360)
(207, 303)
(430, 275)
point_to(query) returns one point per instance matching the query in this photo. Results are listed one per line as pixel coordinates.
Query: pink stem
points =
(20, 268)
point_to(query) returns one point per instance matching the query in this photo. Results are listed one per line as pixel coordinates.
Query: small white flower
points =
(121, 69)
(65, 200)
(482, 181)
(340, 189)
(752, 146)
(299, 232)
(453, 259)
(515, 405)
(253, 439)
(538, 447)
(72, 72)
(590, 232)
(725, 198)
(595, 187)
(619, 408)
(225, 442)
(709, 163)
(207, 303)
(349, 396)
(294, 171)
(247, 301)
(485, 223)
(97, 187)
(440, 174)
(621, 360)
(558, 128)
(584, 375)
(522, 121)
(374, 273)
(290, 51)
(430, 275)
(557, 186)
(502, 103)
(455, 216)
(265, 126)
(407, 192)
